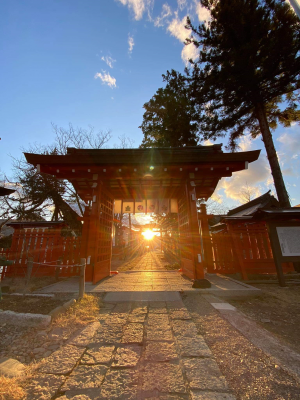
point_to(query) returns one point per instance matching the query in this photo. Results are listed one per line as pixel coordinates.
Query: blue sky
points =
(96, 62)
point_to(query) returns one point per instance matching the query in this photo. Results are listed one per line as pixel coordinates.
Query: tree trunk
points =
(281, 191)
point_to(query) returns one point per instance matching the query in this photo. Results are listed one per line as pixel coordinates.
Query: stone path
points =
(150, 275)
(146, 350)
(160, 281)
(150, 262)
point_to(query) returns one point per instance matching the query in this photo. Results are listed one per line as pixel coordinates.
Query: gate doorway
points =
(140, 177)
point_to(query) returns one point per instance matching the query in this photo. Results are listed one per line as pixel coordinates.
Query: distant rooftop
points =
(265, 201)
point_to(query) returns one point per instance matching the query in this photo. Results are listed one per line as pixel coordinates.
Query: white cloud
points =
(165, 13)
(138, 7)
(246, 143)
(255, 177)
(189, 52)
(106, 79)
(290, 143)
(181, 4)
(178, 30)
(207, 142)
(130, 44)
(288, 172)
(202, 12)
(108, 60)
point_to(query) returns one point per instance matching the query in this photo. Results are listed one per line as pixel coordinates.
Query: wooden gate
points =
(185, 239)
(189, 236)
(104, 237)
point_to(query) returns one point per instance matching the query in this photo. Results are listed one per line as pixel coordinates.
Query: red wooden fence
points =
(244, 247)
(46, 246)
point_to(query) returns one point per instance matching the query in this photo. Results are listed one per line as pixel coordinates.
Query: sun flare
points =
(148, 234)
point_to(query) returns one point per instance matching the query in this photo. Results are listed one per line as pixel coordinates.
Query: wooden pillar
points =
(195, 235)
(90, 234)
(206, 239)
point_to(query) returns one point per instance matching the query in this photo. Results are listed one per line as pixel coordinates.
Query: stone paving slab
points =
(120, 385)
(76, 397)
(193, 347)
(184, 328)
(62, 361)
(127, 356)
(85, 377)
(137, 318)
(159, 333)
(109, 334)
(133, 333)
(158, 319)
(98, 354)
(180, 314)
(82, 394)
(83, 338)
(111, 319)
(212, 396)
(138, 308)
(223, 306)
(160, 351)
(141, 296)
(158, 310)
(204, 374)
(168, 397)
(44, 387)
(164, 377)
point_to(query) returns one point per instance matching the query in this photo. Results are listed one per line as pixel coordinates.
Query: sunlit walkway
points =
(151, 261)
(148, 274)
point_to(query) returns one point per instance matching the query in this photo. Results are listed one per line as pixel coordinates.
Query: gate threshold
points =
(141, 296)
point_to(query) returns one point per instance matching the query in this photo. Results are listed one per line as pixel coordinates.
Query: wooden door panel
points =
(104, 237)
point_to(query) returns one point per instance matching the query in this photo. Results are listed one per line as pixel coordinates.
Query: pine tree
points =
(247, 73)
(169, 119)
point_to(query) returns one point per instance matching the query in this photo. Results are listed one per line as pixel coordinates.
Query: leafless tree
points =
(42, 196)
(125, 142)
(248, 193)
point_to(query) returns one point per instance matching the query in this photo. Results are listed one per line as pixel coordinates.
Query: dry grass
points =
(11, 389)
(82, 312)
(14, 388)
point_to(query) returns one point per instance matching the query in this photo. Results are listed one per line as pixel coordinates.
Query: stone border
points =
(30, 294)
(30, 319)
(24, 319)
(61, 309)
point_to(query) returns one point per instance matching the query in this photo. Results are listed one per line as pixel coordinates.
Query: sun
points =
(148, 234)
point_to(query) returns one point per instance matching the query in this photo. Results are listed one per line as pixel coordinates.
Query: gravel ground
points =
(277, 310)
(250, 373)
(30, 304)
(27, 344)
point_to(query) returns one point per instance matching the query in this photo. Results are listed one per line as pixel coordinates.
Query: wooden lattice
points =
(244, 246)
(46, 246)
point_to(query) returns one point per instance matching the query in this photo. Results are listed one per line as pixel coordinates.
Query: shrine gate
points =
(145, 180)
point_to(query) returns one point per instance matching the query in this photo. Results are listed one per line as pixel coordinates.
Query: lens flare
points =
(148, 234)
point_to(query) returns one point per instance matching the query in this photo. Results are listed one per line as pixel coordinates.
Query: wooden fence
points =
(245, 248)
(46, 246)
